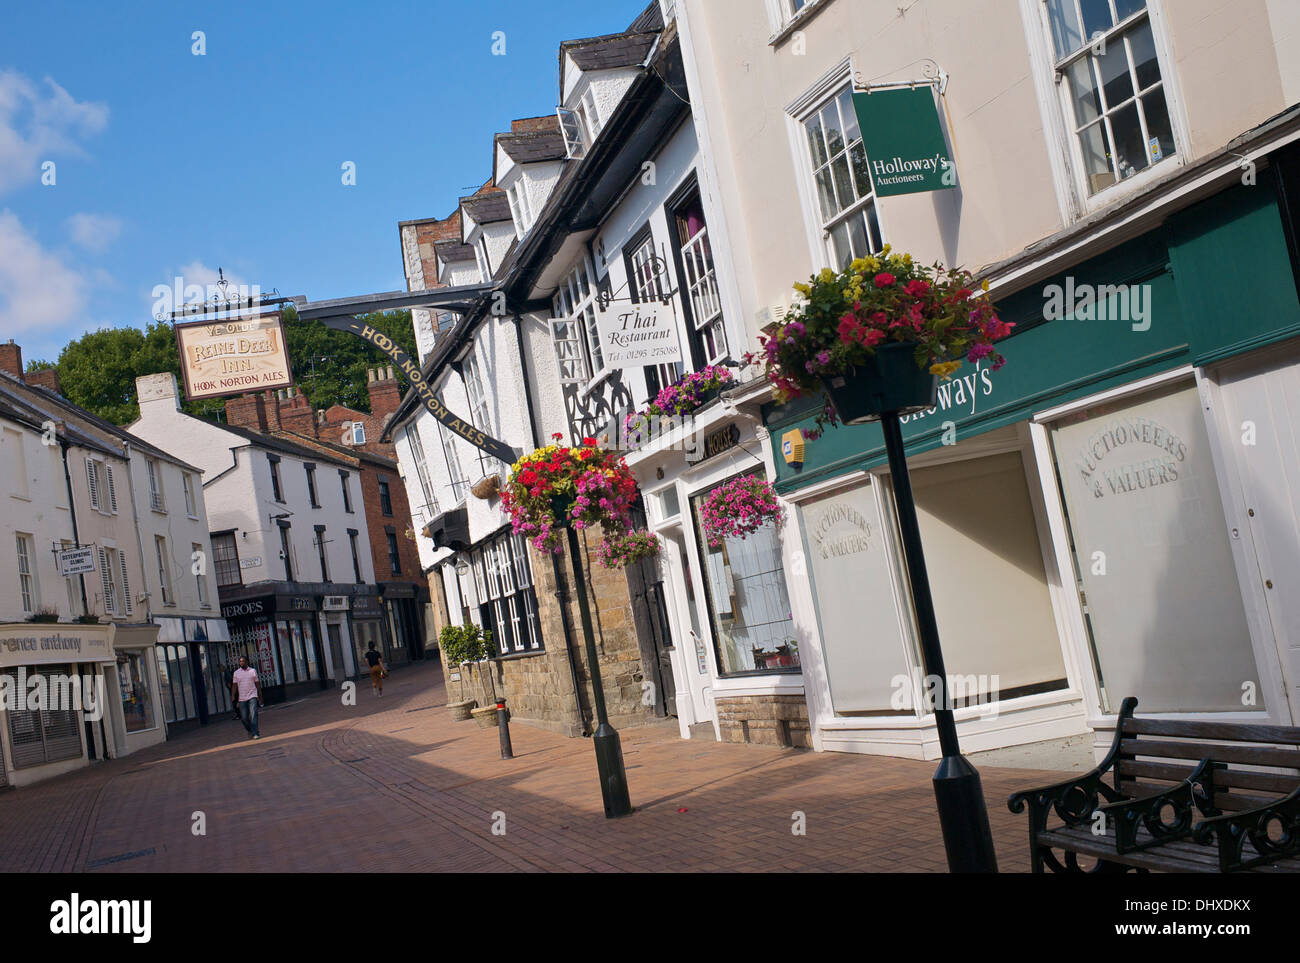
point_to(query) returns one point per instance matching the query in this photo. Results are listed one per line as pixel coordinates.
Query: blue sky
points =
(167, 163)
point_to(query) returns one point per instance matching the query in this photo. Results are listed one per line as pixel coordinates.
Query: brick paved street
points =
(394, 784)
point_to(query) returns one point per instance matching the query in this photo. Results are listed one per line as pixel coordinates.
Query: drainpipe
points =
(72, 510)
(557, 573)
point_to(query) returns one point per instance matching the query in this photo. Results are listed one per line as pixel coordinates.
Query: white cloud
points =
(37, 123)
(94, 232)
(37, 290)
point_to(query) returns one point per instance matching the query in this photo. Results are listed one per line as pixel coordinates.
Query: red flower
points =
(884, 279)
(873, 337)
(557, 436)
(916, 288)
(589, 441)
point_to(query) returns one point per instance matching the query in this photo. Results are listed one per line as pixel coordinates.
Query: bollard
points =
(503, 727)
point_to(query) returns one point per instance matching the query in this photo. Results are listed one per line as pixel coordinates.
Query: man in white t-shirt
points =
(246, 690)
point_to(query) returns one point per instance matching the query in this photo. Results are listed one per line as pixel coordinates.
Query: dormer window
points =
(580, 125)
(484, 264)
(517, 195)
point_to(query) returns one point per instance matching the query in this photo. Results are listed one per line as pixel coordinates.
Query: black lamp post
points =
(892, 385)
(609, 751)
(957, 789)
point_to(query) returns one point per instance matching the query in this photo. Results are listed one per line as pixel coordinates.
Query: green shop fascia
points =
(1091, 512)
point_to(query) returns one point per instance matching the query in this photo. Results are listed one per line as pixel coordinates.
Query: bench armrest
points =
(1193, 795)
(1076, 799)
(1231, 831)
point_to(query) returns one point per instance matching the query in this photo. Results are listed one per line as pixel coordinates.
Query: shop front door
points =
(1262, 438)
(336, 650)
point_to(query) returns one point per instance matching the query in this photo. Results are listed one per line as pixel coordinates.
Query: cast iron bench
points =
(1184, 797)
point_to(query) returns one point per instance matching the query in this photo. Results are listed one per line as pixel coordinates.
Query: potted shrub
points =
(44, 615)
(738, 508)
(878, 335)
(462, 646)
(580, 486)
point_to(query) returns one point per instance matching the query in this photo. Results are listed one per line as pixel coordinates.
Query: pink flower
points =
(884, 279)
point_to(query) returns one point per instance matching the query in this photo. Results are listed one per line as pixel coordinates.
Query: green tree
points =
(98, 370)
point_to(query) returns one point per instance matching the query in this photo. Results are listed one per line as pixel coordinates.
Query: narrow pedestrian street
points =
(392, 784)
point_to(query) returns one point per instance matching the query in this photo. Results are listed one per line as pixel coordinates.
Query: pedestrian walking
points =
(246, 690)
(378, 671)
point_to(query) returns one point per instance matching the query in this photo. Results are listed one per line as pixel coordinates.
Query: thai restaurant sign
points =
(233, 356)
(634, 335)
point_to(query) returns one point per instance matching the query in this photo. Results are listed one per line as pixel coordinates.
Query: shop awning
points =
(449, 530)
(45, 643)
(136, 636)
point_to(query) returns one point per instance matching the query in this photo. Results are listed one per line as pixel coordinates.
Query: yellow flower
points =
(985, 284)
(886, 249)
(826, 275)
(907, 259)
(944, 369)
(803, 288)
(858, 265)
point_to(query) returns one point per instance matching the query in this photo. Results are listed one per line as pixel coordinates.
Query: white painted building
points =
(289, 539)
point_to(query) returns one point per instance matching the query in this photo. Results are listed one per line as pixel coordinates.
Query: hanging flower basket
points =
(738, 508)
(619, 551)
(858, 334)
(580, 486)
(889, 380)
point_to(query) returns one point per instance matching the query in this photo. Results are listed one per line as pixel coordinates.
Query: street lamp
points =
(963, 816)
(609, 751)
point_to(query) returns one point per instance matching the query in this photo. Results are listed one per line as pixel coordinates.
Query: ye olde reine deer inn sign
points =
(233, 355)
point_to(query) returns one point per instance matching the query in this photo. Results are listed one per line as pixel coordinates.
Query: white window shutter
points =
(112, 490)
(566, 337)
(126, 586)
(92, 482)
(110, 603)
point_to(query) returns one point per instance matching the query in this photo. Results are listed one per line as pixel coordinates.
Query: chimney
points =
(296, 413)
(384, 393)
(270, 410)
(246, 411)
(11, 359)
(47, 378)
(157, 393)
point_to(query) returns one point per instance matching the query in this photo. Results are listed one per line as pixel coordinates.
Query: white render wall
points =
(35, 502)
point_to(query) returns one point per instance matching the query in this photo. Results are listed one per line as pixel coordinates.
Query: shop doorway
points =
(1258, 422)
(337, 670)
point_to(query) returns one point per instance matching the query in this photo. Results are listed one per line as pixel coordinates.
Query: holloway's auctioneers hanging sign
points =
(905, 146)
(411, 370)
(232, 356)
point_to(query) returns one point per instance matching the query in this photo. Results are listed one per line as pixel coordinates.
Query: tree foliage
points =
(98, 370)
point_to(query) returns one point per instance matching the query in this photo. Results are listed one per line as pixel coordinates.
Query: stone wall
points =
(766, 720)
(539, 686)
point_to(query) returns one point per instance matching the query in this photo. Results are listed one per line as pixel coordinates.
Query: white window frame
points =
(863, 206)
(422, 470)
(1064, 150)
(829, 86)
(571, 305)
(481, 256)
(520, 212)
(187, 483)
(700, 279)
(29, 592)
(200, 576)
(164, 575)
(101, 489)
(459, 481)
(479, 411)
(156, 500)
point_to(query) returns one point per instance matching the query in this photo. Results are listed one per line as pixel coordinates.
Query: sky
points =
(167, 162)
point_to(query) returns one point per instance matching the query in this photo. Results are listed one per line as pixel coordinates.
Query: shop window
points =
(985, 561)
(1155, 573)
(753, 629)
(848, 566)
(573, 327)
(38, 736)
(133, 681)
